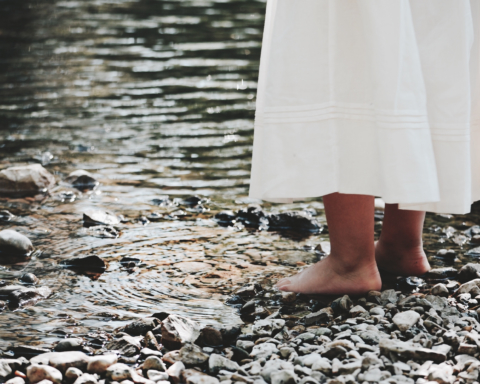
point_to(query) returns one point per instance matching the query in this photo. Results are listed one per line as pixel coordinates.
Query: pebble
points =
(5, 369)
(157, 375)
(15, 380)
(86, 378)
(72, 374)
(283, 377)
(405, 320)
(216, 363)
(36, 373)
(29, 278)
(99, 364)
(440, 290)
(175, 371)
(118, 372)
(154, 362)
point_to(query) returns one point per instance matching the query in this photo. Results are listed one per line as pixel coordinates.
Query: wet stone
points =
(88, 263)
(72, 344)
(440, 290)
(126, 345)
(72, 374)
(119, 372)
(141, 327)
(29, 278)
(98, 217)
(267, 327)
(14, 243)
(25, 180)
(288, 297)
(28, 296)
(177, 331)
(470, 271)
(155, 363)
(82, 180)
(211, 336)
(192, 355)
(6, 215)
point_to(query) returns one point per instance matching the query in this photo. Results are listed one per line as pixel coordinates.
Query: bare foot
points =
(401, 261)
(328, 278)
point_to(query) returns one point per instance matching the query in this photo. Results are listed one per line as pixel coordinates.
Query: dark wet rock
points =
(447, 254)
(126, 345)
(441, 273)
(342, 305)
(155, 363)
(72, 344)
(6, 215)
(98, 217)
(469, 272)
(177, 331)
(162, 201)
(82, 180)
(410, 283)
(29, 278)
(225, 218)
(288, 297)
(28, 296)
(103, 232)
(248, 291)
(14, 243)
(142, 326)
(3, 305)
(99, 364)
(192, 355)
(129, 262)
(296, 221)
(155, 216)
(230, 333)
(475, 252)
(86, 263)
(28, 351)
(211, 337)
(192, 201)
(8, 289)
(25, 180)
(322, 316)
(37, 373)
(150, 341)
(252, 216)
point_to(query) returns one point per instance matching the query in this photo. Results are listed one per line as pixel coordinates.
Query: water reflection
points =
(154, 98)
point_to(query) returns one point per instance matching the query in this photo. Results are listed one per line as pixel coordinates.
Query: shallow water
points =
(154, 98)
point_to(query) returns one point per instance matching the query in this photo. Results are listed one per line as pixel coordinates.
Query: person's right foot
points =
(401, 261)
(326, 277)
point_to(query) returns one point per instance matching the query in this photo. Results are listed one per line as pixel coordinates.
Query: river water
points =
(154, 98)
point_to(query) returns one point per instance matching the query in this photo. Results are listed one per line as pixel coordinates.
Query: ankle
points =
(399, 244)
(345, 266)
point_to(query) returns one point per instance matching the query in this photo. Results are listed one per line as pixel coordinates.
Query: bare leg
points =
(400, 249)
(350, 268)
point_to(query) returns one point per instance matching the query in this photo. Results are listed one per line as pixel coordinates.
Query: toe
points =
(281, 282)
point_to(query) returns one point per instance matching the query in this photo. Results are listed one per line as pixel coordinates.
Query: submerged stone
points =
(25, 180)
(15, 243)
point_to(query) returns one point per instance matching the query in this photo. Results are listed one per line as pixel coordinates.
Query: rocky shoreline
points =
(432, 335)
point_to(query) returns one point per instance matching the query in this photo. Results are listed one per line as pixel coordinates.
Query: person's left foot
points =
(326, 277)
(401, 261)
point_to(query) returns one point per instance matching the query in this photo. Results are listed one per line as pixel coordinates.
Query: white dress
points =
(374, 97)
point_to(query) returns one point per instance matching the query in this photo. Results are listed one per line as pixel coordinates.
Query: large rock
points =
(71, 344)
(25, 180)
(192, 355)
(36, 373)
(405, 320)
(64, 360)
(469, 272)
(155, 363)
(28, 296)
(100, 363)
(127, 345)
(177, 331)
(82, 180)
(72, 374)
(12, 242)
